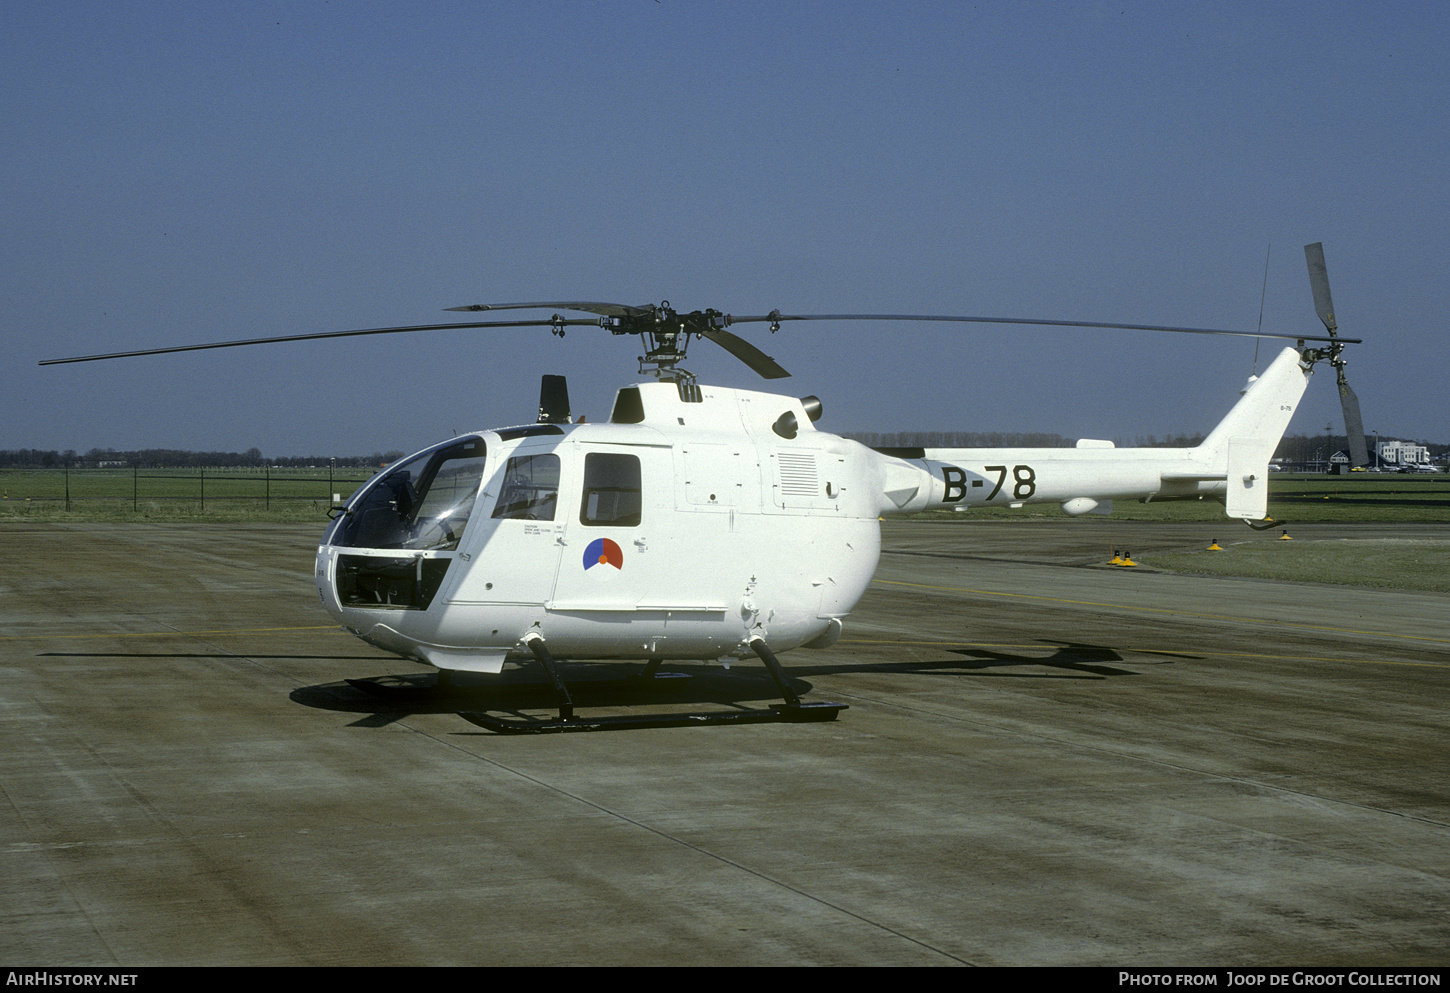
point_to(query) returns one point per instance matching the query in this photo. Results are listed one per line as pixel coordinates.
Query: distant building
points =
(1401, 454)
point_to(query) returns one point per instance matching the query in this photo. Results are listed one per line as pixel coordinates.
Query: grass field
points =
(223, 494)
(236, 495)
(1359, 498)
(1386, 563)
(1313, 499)
(212, 494)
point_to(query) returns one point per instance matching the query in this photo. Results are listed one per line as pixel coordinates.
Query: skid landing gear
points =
(792, 711)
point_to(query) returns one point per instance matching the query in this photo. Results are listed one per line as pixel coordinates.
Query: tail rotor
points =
(1324, 306)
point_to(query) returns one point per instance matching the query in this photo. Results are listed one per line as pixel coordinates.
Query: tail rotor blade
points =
(1324, 306)
(1319, 284)
(1353, 423)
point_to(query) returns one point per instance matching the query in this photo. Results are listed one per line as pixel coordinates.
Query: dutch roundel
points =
(603, 559)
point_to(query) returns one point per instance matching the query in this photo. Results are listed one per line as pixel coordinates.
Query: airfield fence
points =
(262, 487)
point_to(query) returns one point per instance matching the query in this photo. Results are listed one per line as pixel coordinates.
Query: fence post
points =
(135, 477)
(202, 477)
(67, 485)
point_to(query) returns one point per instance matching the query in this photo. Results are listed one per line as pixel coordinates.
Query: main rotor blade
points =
(1353, 424)
(603, 309)
(776, 317)
(313, 337)
(747, 353)
(1319, 285)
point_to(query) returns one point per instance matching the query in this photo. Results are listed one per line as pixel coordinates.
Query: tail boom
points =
(1232, 463)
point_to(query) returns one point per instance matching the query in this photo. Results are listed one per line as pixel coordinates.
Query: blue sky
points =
(180, 173)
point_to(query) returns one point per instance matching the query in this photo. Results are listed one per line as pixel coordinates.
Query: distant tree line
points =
(170, 458)
(1293, 448)
(1001, 439)
(960, 439)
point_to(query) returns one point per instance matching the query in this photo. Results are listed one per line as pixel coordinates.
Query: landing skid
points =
(777, 714)
(792, 711)
(440, 689)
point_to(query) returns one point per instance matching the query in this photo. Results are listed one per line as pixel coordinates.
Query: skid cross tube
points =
(760, 648)
(561, 692)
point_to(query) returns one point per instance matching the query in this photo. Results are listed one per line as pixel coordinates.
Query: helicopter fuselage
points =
(683, 528)
(700, 521)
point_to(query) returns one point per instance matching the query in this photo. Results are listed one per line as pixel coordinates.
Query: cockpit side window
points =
(612, 495)
(422, 503)
(530, 488)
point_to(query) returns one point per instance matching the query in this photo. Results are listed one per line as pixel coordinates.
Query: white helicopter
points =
(704, 523)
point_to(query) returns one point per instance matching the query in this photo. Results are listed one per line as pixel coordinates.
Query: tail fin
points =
(1245, 440)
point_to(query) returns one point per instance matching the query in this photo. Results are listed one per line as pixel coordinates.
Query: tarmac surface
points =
(1046, 761)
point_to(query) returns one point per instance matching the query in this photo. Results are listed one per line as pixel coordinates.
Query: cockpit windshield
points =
(421, 503)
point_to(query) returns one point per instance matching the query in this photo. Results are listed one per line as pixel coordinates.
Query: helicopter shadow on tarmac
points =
(518, 690)
(617, 686)
(1070, 660)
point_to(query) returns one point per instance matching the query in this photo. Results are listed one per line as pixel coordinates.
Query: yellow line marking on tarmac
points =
(1162, 610)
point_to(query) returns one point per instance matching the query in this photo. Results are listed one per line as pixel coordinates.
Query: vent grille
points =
(797, 474)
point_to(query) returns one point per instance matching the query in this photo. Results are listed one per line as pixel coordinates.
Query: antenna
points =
(1263, 292)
